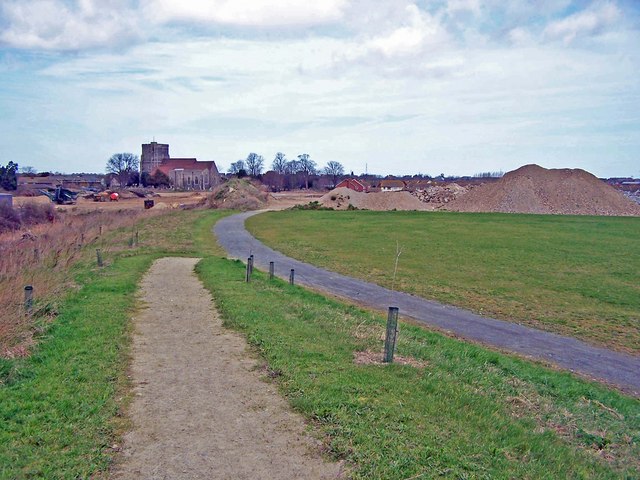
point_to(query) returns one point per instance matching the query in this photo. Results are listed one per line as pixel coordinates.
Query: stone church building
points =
(183, 173)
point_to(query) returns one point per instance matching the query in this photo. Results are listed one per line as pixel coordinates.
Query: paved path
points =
(568, 353)
(200, 409)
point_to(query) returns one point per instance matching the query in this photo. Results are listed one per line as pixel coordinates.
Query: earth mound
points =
(534, 189)
(341, 198)
(237, 194)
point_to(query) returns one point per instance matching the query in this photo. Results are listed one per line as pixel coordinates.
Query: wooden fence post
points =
(248, 272)
(99, 257)
(292, 276)
(28, 298)
(271, 270)
(392, 333)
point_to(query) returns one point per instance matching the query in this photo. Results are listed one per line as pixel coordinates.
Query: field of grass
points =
(467, 413)
(573, 275)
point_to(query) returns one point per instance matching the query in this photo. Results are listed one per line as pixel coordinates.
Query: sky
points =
(382, 86)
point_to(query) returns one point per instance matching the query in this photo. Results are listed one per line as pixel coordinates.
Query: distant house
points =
(352, 184)
(392, 185)
(74, 181)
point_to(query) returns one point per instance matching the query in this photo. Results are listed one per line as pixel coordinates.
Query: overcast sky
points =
(392, 86)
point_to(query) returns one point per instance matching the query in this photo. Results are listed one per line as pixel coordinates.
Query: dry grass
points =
(42, 257)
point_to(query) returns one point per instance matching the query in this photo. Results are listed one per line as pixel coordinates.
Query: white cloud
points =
(52, 25)
(585, 23)
(419, 30)
(262, 13)
(455, 6)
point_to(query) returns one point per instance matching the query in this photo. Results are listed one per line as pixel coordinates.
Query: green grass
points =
(469, 413)
(573, 275)
(59, 407)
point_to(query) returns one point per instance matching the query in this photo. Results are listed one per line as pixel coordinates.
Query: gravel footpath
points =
(618, 369)
(200, 409)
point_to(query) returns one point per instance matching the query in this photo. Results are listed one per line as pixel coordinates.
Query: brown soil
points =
(238, 194)
(201, 408)
(368, 357)
(341, 198)
(533, 189)
(162, 201)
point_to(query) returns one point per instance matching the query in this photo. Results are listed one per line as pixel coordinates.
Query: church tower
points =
(154, 154)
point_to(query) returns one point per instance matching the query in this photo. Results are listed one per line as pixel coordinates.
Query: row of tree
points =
(284, 173)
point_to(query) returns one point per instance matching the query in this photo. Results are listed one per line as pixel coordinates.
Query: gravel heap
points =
(237, 194)
(533, 189)
(341, 198)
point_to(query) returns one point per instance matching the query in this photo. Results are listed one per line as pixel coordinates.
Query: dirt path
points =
(200, 409)
(605, 365)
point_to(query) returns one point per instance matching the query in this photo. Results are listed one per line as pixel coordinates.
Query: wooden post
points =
(292, 276)
(271, 270)
(248, 273)
(100, 230)
(392, 333)
(99, 257)
(136, 237)
(251, 264)
(28, 298)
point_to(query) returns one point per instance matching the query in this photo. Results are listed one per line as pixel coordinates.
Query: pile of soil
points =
(533, 189)
(341, 198)
(237, 194)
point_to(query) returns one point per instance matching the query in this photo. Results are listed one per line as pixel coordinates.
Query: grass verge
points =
(574, 275)
(467, 413)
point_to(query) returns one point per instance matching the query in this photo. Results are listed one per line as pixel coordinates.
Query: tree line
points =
(286, 174)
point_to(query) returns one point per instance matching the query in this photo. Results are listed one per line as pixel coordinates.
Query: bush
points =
(9, 218)
(28, 214)
(32, 213)
(311, 206)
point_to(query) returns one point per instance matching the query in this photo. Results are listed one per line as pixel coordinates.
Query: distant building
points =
(352, 184)
(392, 185)
(74, 181)
(183, 173)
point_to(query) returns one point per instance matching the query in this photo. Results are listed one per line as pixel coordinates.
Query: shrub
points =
(32, 213)
(9, 218)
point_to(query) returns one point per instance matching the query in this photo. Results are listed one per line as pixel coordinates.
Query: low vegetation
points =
(27, 215)
(462, 412)
(574, 275)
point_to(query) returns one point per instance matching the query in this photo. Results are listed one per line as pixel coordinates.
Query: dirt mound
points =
(341, 198)
(533, 189)
(237, 194)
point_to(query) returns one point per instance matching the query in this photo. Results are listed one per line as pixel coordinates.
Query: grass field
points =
(573, 275)
(467, 413)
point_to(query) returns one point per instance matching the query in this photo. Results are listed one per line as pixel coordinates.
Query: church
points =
(183, 173)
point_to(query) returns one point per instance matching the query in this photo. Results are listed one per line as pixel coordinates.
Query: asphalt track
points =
(618, 369)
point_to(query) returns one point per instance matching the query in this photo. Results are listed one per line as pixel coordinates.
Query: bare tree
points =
(254, 164)
(28, 170)
(279, 164)
(334, 170)
(123, 165)
(237, 168)
(307, 167)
